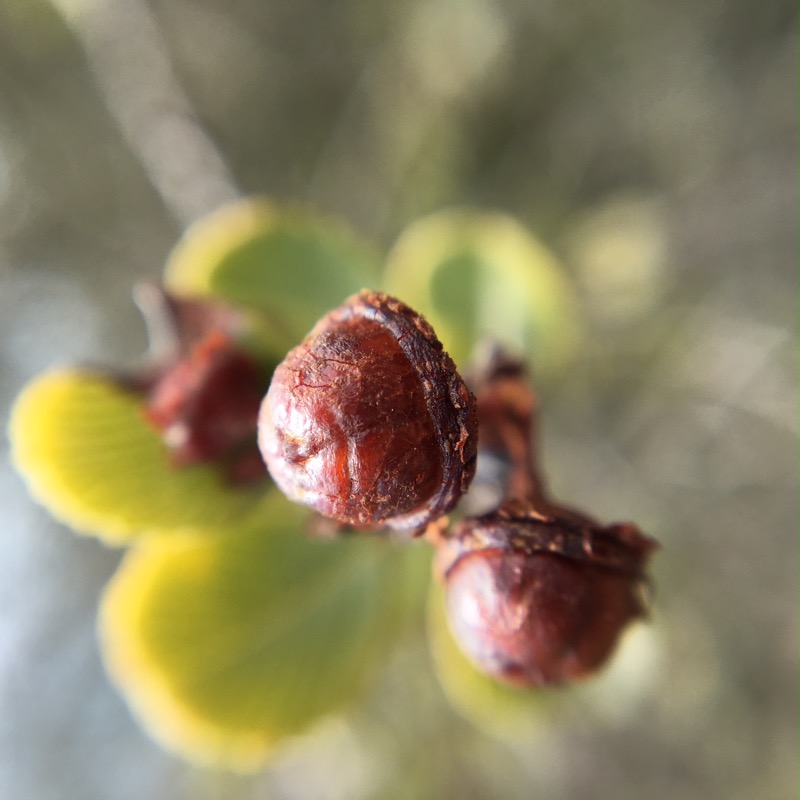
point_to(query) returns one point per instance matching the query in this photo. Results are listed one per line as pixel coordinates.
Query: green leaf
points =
(483, 276)
(291, 265)
(495, 707)
(225, 647)
(89, 456)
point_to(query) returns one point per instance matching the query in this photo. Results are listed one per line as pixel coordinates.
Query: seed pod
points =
(535, 599)
(206, 402)
(367, 420)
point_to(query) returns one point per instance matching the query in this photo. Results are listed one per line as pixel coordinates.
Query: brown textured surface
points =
(538, 620)
(539, 599)
(206, 403)
(367, 421)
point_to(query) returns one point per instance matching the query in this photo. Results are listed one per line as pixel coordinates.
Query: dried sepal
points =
(201, 388)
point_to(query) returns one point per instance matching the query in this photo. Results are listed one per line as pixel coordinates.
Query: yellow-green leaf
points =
(89, 456)
(495, 707)
(482, 276)
(227, 646)
(289, 264)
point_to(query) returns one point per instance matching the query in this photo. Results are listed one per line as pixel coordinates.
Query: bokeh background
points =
(652, 146)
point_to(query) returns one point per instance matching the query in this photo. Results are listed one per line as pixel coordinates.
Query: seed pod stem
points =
(507, 416)
(537, 593)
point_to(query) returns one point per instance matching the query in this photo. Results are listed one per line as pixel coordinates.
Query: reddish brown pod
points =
(541, 599)
(367, 420)
(206, 402)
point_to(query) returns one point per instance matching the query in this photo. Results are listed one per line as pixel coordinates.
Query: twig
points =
(130, 62)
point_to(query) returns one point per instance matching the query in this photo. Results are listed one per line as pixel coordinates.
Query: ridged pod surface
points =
(541, 599)
(368, 422)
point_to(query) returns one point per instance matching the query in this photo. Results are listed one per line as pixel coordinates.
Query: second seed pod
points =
(541, 599)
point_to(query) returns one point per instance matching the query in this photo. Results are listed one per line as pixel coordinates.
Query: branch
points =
(131, 65)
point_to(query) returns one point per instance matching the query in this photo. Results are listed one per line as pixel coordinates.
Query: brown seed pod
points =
(206, 403)
(541, 599)
(367, 420)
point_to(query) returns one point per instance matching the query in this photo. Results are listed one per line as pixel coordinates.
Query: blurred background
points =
(652, 146)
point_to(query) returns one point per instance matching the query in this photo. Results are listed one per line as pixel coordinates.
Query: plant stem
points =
(131, 65)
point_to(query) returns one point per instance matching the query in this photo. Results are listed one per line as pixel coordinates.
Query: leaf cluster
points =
(226, 628)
